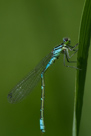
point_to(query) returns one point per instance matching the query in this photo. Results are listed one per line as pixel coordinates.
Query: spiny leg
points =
(42, 126)
(65, 54)
(68, 57)
(73, 53)
(72, 47)
(75, 46)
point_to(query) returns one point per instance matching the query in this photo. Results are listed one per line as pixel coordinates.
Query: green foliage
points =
(84, 43)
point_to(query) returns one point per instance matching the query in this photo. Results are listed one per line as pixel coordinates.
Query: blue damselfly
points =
(25, 86)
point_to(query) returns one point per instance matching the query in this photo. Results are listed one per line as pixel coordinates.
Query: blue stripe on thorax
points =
(57, 50)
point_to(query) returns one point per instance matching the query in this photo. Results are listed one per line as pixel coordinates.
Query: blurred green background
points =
(28, 31)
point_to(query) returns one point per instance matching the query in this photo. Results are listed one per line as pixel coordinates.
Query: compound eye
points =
(65, 39)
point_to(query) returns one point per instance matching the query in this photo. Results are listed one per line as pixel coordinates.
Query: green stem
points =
(84, 43)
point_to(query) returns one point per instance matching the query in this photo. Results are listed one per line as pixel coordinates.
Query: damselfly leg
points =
(66, 54)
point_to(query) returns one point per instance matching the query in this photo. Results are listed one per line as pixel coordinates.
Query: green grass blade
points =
(84, 43)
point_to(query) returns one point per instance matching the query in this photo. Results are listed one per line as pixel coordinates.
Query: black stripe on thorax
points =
(59, 46)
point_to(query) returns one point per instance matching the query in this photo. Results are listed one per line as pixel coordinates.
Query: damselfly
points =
(25, 86)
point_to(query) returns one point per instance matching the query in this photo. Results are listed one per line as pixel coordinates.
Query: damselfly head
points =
(67, 41)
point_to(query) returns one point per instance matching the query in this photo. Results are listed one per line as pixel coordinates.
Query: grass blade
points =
(84, 43)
